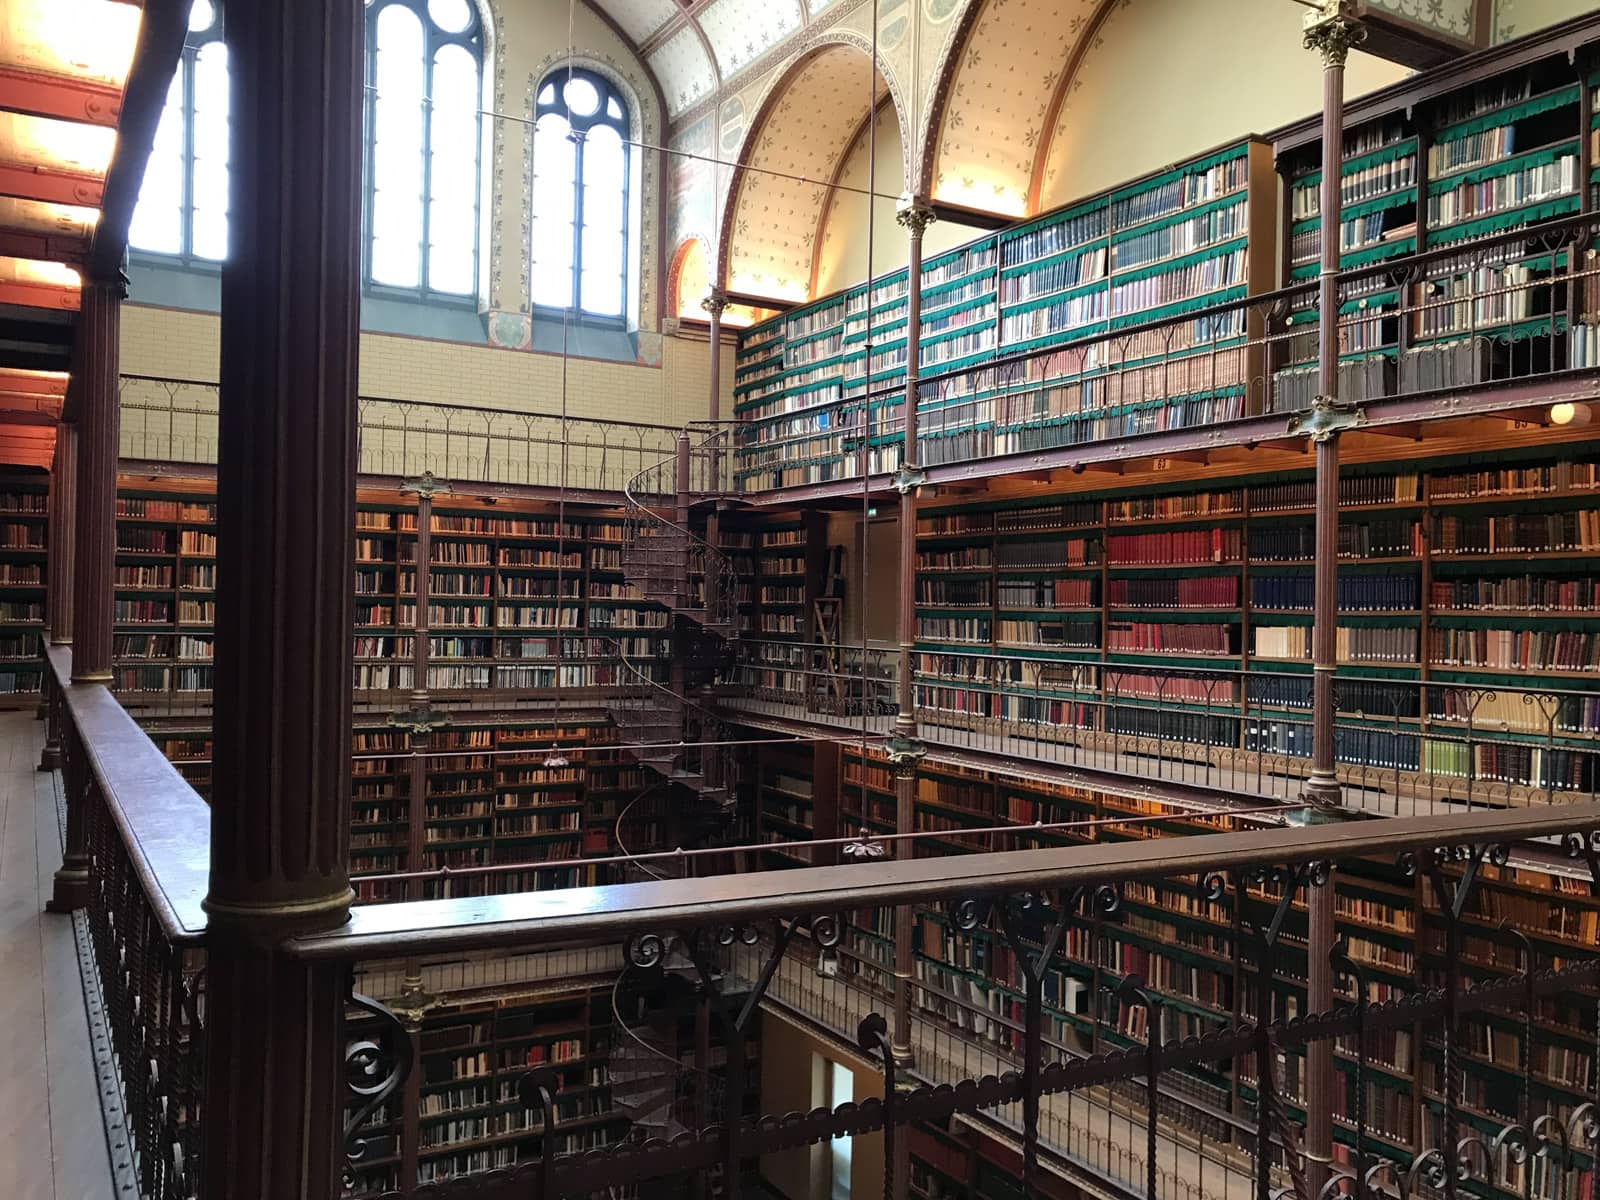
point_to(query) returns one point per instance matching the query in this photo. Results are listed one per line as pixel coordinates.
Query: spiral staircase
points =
(663, 728)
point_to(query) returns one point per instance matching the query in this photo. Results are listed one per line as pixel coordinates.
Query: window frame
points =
(608, 91)
(188, 68)
(473, 39)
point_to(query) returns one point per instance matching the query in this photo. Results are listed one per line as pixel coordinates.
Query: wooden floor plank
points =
(52, 1138)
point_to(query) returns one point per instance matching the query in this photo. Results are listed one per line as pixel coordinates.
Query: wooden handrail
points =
(620, 910)
(164, 824)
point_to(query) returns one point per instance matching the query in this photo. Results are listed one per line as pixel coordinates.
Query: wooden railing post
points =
(275, 1075)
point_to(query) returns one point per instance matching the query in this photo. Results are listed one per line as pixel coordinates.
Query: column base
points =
(50, 757)
(70, 889)
(1324, 792)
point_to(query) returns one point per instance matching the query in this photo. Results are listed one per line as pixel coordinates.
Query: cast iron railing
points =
(1189, 1088)
(175, 420)
(1440, 323)
(1403, 746)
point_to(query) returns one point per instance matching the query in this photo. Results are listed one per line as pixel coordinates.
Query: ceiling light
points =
(1568, 413)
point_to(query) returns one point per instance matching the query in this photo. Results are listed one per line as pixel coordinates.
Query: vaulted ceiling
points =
(789, 168)
(696, 46)
(1009, 61)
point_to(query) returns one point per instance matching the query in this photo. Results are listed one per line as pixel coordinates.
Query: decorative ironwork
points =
(374, 1070)
(1326, 420)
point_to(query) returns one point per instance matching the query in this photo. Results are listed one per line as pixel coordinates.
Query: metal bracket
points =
(1327, 419)
(904, 751)
(908, 476)
(427, 484)
(413, 1003)
(419, 720)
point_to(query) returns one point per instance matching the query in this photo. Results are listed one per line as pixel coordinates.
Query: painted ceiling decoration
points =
(740, 31)
(684, 70)
(641, 20)
(998, 100)
(804, 132)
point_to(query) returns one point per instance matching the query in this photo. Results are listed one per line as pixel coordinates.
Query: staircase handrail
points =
(721, 584)
(708, 719)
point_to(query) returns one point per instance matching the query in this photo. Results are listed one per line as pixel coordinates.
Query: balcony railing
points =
(175, 421)
(1517, 308)
(1190, 1087)
(1403, 746)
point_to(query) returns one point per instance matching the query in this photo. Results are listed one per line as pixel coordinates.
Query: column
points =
(58, 579)
(99, 424)
(1332, 32)
(905, 748)
(285, 540)
(714, 304)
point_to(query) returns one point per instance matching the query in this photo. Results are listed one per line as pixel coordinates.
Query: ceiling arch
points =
(998, 83)
(787, 165)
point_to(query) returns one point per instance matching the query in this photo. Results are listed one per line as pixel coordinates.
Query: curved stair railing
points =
(664, 558)
(668, 563)
(667, 733)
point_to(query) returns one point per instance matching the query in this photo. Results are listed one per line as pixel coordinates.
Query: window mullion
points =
(427, 150)
(577, 217)
(186, 217)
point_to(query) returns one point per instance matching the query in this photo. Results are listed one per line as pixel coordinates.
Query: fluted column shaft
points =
(285, 542)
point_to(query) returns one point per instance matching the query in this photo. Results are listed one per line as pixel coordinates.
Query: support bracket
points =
(427, 484)
(1327, 419)
(908, 477)
(904, 752)
(419, 720)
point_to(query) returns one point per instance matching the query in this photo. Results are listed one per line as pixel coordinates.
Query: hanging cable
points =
(555, 759)
(866, 393)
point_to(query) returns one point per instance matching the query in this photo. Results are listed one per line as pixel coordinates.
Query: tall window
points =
(424, 67)
(183, 208)
(580, 195)
(424, 59)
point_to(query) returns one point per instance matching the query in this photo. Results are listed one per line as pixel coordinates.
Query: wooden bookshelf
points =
(1197, 234)
(1436, 582)
(24, 518)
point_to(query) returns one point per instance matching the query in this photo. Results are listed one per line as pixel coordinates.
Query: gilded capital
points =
(715, 302)
(1333, 32)
(915, 218)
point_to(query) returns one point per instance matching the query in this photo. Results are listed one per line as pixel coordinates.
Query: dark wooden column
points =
(905, 747)
(99, 423)
(58, 578)
(1332, 33)
(285, 544)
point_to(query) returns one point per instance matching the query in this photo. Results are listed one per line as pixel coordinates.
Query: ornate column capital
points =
(915, 217)
(715, 302)
(426, 485)
(1333, 32)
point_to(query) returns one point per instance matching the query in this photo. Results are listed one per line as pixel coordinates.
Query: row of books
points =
(1519, 593)
(1055, 276)
(1203, 591)
(1562, 476)
(1144, 637)
(1208, 275)
(1196, 187)
(1386, 538)
(1353, 643)
(1531, 185)
(1515, 649)
(1366, 183)
(1355, 593)
(1520, 532)
(1057, 235)
(1207, 229)
(1215, 545)
(149, 508)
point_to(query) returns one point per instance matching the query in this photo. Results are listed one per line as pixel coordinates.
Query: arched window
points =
(580, 194)
(183, 207)
(424, 64)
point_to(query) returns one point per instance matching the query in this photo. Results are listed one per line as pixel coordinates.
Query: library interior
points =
(1008, 631)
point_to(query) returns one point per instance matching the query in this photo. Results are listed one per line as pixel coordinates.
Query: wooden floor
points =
(52, 1136)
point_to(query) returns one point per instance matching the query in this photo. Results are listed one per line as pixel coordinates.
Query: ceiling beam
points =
(51, 185)
(60, 97)
(155, 59)
(43, 247)
(50, 296)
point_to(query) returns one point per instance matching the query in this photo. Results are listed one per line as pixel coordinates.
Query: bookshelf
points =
(786, 786)
(1198, 234)
(24, 518)
(1188, 947)
(1026, 610)
(518, 602)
